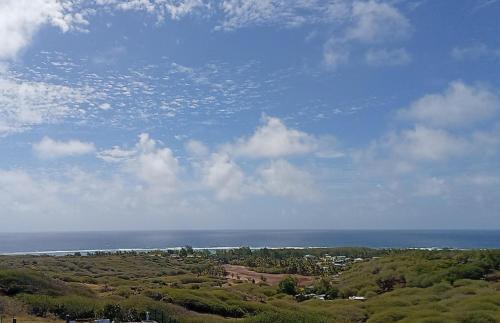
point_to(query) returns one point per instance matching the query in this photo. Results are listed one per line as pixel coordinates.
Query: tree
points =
(288, 285)
(112, 311)
(189, 250)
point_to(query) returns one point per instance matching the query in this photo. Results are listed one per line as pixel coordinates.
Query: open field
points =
(188, 286)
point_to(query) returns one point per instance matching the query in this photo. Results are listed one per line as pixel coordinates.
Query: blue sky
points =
(190, 114)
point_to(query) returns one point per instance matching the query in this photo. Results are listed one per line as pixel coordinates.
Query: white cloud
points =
(377, 21)
(387, 57)
(155, 166)
(88, 201)
(292, 13)
(432, 186)
(197, 148)
(480, 180)
(26, 104)
(273, 139)
(176, 9)
(182, 8)
(224, 176)
(50, 148)
(280, 178)
(105, 106)
(423, 143)
(20, 20)
(459, 105)
(20, 194)
(335, 53)
(146, 5)
(474, 52)
(367, 23)
(115, 154)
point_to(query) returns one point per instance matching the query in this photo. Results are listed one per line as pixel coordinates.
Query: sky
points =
(256, 114)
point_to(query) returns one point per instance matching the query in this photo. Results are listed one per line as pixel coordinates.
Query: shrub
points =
(288, 285)
(478, 318)
(14, 282)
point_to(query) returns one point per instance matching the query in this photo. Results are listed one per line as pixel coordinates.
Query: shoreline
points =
(85, 252)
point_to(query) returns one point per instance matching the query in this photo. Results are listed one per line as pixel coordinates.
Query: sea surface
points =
(64, 242)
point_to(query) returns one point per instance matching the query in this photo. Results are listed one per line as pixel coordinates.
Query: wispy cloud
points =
(28, 103)
(50, 148)
(387, 57)
(474, 52)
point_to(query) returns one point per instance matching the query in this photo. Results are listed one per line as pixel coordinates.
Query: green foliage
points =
(290, 261)
(466, 271)
(478, 317)
(284, 317)
(325, 286)
(288, 285)
(13, 282)
(401, 286)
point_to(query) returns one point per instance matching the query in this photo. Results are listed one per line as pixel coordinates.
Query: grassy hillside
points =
(399, 286)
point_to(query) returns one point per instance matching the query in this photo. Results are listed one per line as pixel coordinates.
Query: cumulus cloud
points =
(150, 164)
(355, 22)
(264, 171)
(197, 148)
(387, 57)
(223, 175)
(423, 143)
(377, 21)
(50, 148)
(459, 105)
(274, 139)
(368, 23)
(280, 178)
(154, 165)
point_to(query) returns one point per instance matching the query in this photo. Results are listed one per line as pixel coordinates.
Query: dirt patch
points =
(246, 274)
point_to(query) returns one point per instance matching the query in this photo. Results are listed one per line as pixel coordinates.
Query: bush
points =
(387, 317)
(202, 306)
(478, 318)
(467, 271)
(14, 282)
(288, 285)
(273, 317)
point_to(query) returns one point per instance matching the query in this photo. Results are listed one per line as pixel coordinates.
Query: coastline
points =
(85, 252)
(142, 241)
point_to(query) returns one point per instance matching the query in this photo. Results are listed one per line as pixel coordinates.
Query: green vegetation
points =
(192, 286)
(288, 286)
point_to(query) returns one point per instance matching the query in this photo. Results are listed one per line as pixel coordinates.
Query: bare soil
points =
(246, 274)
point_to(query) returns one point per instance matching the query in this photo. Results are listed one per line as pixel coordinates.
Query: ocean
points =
(65, 242)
